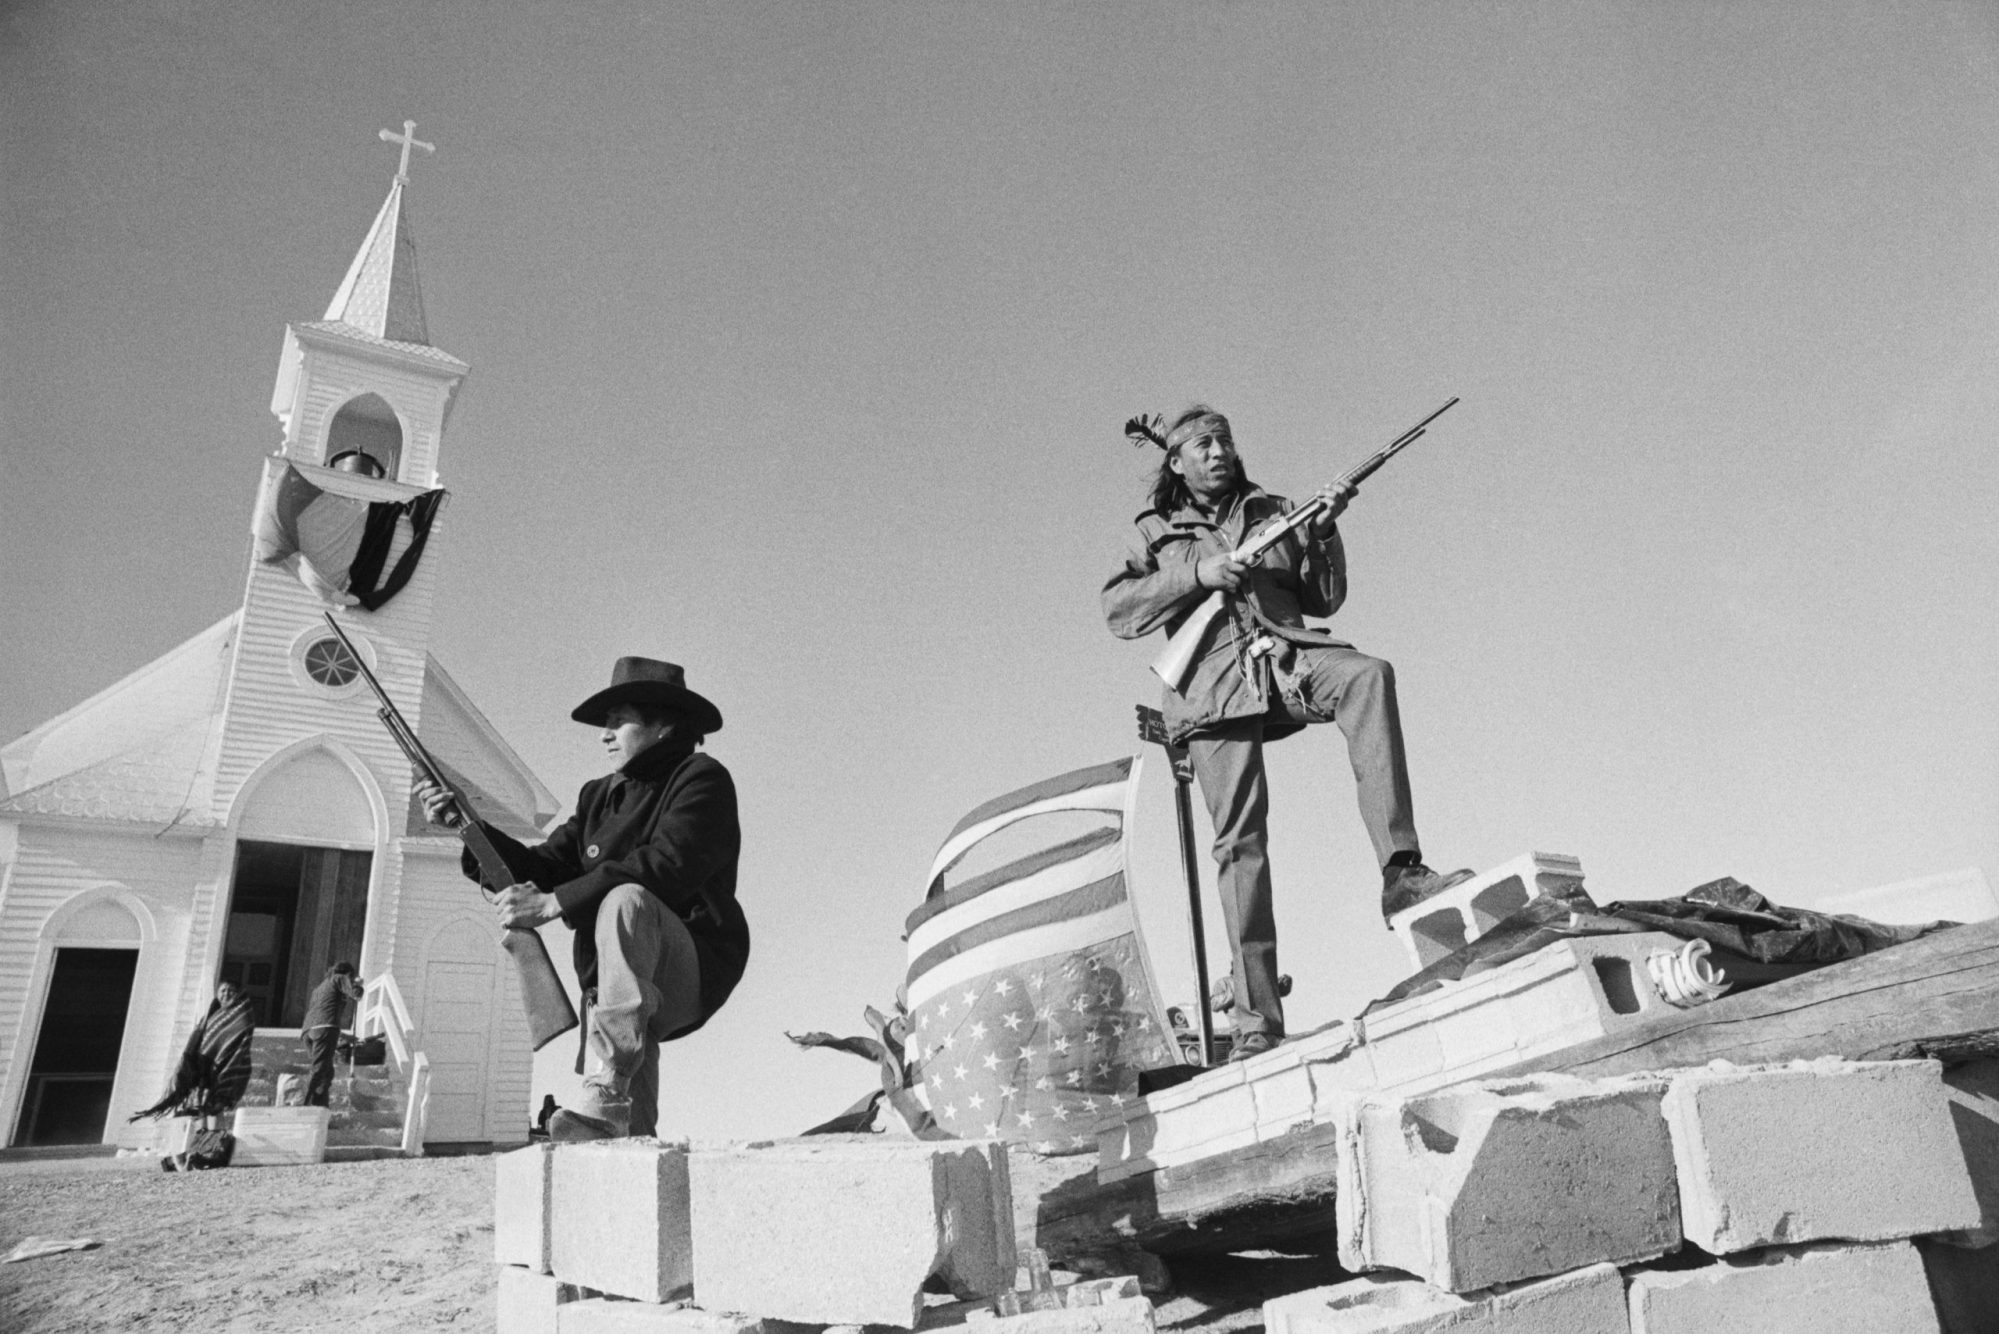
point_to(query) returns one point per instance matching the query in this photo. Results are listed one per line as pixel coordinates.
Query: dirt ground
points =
(399, 1244)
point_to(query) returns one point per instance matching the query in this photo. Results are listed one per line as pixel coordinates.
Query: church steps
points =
(366, 1102)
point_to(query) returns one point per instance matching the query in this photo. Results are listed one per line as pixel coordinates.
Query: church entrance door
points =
(294, 911)
(461, 998)
(76, 1054)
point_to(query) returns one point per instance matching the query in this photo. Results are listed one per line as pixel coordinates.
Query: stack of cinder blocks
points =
(1747, 1199)
(775, 1237)
(1532, 1008)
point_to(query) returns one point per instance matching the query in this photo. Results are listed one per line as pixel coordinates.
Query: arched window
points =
(365, 437)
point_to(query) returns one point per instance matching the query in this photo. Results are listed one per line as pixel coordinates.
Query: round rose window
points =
(329, 663)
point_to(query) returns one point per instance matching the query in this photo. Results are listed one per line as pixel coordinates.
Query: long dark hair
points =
(1168, 491)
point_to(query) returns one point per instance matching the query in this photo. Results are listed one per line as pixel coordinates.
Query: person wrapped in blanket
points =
(214, 1070)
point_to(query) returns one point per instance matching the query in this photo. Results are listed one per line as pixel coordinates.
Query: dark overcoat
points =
(667, 823)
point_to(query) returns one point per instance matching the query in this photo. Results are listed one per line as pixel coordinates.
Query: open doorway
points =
(76, 1053)
(293, 912)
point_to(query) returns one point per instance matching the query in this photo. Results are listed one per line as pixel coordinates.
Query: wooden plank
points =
(1936, 995)
(1867, 1008)
(1277, 1192)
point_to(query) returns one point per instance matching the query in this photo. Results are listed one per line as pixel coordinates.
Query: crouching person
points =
(644, 874)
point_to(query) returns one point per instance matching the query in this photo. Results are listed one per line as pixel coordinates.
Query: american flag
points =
(1031, 1001)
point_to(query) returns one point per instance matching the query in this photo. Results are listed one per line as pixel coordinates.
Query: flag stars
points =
(1061, 1044)
(970, 998)
(959, 1070)
(1003, 987)
(975, 1101)
(992, 1060)
(1025, 1118)
(1013, 1020)
(978, 1031)
(1073, 1078)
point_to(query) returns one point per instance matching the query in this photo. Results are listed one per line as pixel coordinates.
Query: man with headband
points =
(1261, 675)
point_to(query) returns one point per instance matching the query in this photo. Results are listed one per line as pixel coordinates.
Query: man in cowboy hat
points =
(644, 873)
(1262, 675)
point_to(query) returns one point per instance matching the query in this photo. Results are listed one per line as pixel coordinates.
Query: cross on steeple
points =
(408, 140)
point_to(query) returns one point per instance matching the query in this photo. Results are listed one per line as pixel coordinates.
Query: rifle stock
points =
(1175, 663)
(549, 1013)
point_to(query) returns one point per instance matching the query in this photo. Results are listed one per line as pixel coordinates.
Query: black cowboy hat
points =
(648, 681)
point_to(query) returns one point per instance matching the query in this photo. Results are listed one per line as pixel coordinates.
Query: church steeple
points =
(381, 295)
(364, 389)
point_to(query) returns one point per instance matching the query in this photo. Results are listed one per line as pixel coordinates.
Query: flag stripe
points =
(1038, 943)
(1013, 929)
(1049, 880)
(1106, 797)
(1074, 781)
(1073, 850)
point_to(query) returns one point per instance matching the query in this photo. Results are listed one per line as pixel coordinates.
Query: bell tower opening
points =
(365, 437)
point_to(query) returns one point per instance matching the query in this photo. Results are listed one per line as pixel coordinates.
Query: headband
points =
(1208, 423)
(1144, 430)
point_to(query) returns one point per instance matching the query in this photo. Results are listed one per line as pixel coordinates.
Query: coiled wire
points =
(1685, 977)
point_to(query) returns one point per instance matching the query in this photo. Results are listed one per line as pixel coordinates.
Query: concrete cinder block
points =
(1561, 996)
(1964, 1284)
(601, 1316)
(526, 1302)
(844, 1229)
(1816, 1150)
(520, 1207)
(1827, 1289)
(1584, 1301)
(1973, 1091)
(1448, 922)
(1117, 1315)
(1506, 1180)
(279, 1136)
(618, 1219)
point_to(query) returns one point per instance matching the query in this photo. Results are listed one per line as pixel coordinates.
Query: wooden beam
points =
(1946, 984)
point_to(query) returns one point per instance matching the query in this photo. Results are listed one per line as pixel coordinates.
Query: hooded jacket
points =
(1156, 588)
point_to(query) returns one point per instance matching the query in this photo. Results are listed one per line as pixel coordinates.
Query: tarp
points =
(1765, 940)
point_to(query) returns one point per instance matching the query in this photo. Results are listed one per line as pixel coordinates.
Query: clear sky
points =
(801, 339)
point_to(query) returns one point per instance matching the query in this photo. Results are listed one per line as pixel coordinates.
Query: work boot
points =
(1403, 887)
(597, 1118)
(1252, 1044)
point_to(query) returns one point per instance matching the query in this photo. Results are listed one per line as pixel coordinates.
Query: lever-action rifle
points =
(1175, 662)
(549, 1012)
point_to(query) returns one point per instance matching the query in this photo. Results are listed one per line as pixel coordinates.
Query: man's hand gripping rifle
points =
(549, 1012)
(1175, 663)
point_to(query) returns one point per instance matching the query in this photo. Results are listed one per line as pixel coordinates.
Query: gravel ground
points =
(398, 1244)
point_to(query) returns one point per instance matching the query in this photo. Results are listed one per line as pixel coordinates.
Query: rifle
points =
(1175, 662)
(549, 1012)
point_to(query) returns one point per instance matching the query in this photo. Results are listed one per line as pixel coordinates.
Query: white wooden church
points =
(235, 810)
